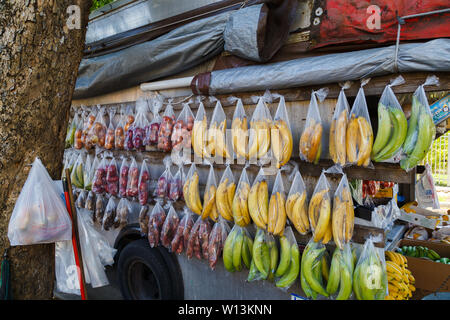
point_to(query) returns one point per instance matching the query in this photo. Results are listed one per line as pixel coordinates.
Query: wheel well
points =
(128, 234)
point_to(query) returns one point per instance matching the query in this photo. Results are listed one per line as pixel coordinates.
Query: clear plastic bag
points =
(90, 201)
(139, 124)
(169, 228)
(392, 126)
(311, 143)
(155, 224)
(77, 174)
(319, 211)
(152, 130)
(370, 277)
(100, 204)
(97, 133)
(237, 249)
(420, 124)
(133, 179)
(181, 237)
(144, 184)
(281, 136)
(65, 268)
(216, 242)
(343, 216)
(88, 173)
(128, 128)
(88, 123)
(81, 199)
(199, 133)
(288, 268)
(259, 134)
(78, 141)
(241, 215)
(110, 132)
(198, 240)
(175, 190)
(71, 128)
(297, 204)
(112, 178)
(359, 136)
(123, 177)
(122, 212)
(239, 130)
(209, 199)
(338, 128)
(99, 184)
(311, 276)
(119, 133)
(182, 130)
(110, 214)
(340, 281)
(225, 194)
(277, 207)
(39, 215)
(165, 130)
(258, 200)
(163, 184)
(264, 257)
(191, 191)
(216, 144)
(143, 219)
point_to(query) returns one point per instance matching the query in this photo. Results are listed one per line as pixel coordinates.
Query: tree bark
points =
(39, 59)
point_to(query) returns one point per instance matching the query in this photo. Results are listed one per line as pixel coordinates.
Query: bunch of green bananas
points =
(420, 135)
(289, 265)
(313, 270)
(341, 271)
(237, 249)
(264, 257)
(419, 252)
(392, 129)
(370, 278)
(77, 175)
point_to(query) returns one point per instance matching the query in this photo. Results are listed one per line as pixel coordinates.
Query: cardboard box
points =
(430, 276)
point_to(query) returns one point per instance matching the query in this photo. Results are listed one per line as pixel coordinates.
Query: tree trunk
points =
(39, 58)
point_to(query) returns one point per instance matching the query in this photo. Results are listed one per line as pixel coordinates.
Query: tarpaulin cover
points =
(430, 56)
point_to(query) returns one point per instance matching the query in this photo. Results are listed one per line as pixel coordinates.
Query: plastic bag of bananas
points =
(338, 128)
(241, 215)
(217, 238)
(359, 137)
(289, 266)
(209, 198)
(342, 220)
(319, 211)
(225, 194)
(216, 143)
(258, 200)
(392, 125)
(310, 145)
(276, 220)
(280, 134)
(313, 271)
(264, 257)
(238, 249)
(239, 130)
(297, 205)
(421, 129)
(259, 134)
(340, 282)
(199, 133)
(370, 281)
(191, 191)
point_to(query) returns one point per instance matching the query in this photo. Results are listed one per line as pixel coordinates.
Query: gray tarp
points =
(430, 56)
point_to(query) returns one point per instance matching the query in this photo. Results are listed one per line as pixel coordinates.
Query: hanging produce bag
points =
(70, 135)
(359, 137)
(39, 215)
(199, 132)
(169, 228)
(152, 130)
(181, 237)
(237, 249)
(81, 199)
(163, 184)
(123, 177)
(100, 204)
(216, 144)
(259, 135)
(340, 281)
(133, 179)
(338, 128)
(288, 268)
(319, 211)
(97, 134)
(181, 135)
(209, 199)
(225, 194)
(311, 274)
(128, 127)
(99, 184)
(144, 217)
(155, 224)
(311, 143)
(239, 130)
(138, 126)
(198, 240)
(281, 135)
(122, 212)
(241, 215)
(119, 133)
(342, 221)
(90, 201)
(165, 130)
(144, 183)
(110, 214)
(277, 207)
(77, 174)
(392, 126)
(264, 257)
(421, 129)
(112, 178)
(78, 141)
(175, 191)
(258, 200)
(110, 132)
(217, 240)
(191, 191)
(88, 173)
(88, 126)
(370, 278)
(297, 205)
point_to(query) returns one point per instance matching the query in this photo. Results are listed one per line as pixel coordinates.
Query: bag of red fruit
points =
(152, 129)
(133, 179)
(112, 178)
(162, 186)
(110, 132)
(176, 185)
(155, 223)
(182, 130)
(144, 183)
(88, 123)
(97, 134)
(119, 133)
(169, 228)
(99, 184)
(165, 130)
(136, 131)
(179, 242)
(123, 177)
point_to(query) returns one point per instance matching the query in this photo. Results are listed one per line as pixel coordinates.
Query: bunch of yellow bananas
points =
(359, 141)
(343, 217)
(239, 133)
(209, 204)
(199, 136)
(258, 203)
(400, 279)
(319, 213)
(310, 144)
(224, 198)
(259, 138)
(277, 214)
(281, 140)
(239, 207)
(215, 140)
(296, 210)
(192, 194)
(338, 131)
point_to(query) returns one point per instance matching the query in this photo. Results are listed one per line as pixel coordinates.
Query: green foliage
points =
(437, 158)
(100, 3)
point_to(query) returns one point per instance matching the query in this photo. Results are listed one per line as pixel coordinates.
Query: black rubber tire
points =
(143, 273)
(175, 273)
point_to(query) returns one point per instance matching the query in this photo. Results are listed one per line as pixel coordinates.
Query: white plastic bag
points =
(39, 215)
(426, 191)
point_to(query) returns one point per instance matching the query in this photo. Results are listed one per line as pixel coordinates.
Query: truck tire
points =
(143, 274)
(175, 273)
